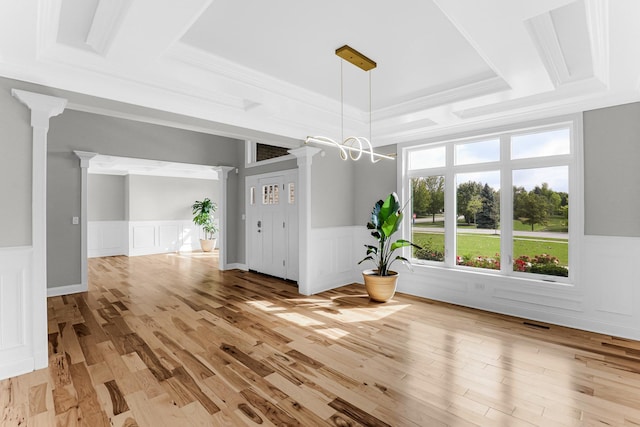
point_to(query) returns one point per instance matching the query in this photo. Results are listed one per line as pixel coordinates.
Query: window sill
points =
(518, 279)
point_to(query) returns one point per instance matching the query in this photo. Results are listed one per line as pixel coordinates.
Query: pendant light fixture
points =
(353, 147)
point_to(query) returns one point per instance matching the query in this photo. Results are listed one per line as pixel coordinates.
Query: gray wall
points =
(75, 130)
(612, 174)
(332, 190)
(372, 183)
(15, 170)
(106, 198)
(157, 198)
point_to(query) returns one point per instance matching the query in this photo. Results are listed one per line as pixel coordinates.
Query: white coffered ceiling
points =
(443, 65)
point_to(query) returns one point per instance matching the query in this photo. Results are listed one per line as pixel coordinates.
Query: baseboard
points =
(106, 252)
(65, 290)
(237, 266)
(17, 368)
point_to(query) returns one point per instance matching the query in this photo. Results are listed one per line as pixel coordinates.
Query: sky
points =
(523, 146)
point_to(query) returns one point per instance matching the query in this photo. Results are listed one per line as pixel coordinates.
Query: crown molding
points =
(114, 81)
(200, 59)
(543, 110)
(584, 88)
(461, 90)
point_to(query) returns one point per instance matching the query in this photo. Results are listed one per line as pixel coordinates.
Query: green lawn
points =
(474, 245)
(555, 224)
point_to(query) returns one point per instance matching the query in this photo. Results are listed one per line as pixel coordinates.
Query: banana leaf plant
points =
(386, 218)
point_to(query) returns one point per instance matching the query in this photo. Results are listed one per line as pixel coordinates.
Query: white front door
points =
(272, 225)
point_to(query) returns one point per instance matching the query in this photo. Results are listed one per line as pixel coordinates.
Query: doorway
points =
(152, 235)
(272, 224)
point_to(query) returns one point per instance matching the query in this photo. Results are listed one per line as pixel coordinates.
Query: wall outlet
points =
(75, 220)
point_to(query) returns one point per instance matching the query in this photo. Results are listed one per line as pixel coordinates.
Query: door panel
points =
(272, 225)
(272, 217)
(16, 317)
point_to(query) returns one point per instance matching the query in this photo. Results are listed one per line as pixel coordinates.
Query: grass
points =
(555, 224)
(488, 245)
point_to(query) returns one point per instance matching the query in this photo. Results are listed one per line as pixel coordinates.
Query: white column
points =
(222, 232)
(85, 161)
(42, 108)
(304, 156)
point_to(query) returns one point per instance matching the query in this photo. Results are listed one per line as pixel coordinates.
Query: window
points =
(477, 221)
(292, 193)
(266, 152)
(270, 194)
(258, 153)
(427, 219)
(497, 204)
(477, 152)
(540, 220)
(427, 158)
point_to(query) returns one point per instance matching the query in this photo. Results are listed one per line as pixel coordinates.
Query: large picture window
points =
(497, 204)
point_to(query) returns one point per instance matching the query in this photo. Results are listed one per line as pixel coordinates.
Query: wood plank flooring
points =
(168, 340)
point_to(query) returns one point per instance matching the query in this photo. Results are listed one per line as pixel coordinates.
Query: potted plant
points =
(203, 217)
(386, 219)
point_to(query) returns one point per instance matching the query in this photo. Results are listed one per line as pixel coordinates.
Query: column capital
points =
(42, 107)
(304, 154)
(85, 157)
(224, 170)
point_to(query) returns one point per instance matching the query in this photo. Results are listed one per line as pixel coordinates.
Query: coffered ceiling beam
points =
(497, 30)
(165, 24)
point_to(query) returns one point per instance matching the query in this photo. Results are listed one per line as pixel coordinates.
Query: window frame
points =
(506, 166)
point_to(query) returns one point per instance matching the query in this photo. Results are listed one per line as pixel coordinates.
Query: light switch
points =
(75, 220)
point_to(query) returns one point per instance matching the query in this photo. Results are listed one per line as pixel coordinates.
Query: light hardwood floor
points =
(168, 340)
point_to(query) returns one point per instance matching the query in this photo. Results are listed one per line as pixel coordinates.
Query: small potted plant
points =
(203, 217)
(386, 219)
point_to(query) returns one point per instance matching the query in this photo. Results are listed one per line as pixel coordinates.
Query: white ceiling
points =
(443, 65)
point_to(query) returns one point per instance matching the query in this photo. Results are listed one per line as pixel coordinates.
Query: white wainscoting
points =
(158, 237)
(611, 278)
(605, 299)
(133, 238)
(16, 316)
(107, 238)
(333, 257)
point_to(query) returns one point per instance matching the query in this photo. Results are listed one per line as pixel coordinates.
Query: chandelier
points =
(352, 147)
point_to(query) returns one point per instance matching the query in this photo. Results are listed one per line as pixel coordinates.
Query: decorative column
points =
(42, 108)
(222, 230)
(304, 156)
(85, 161)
